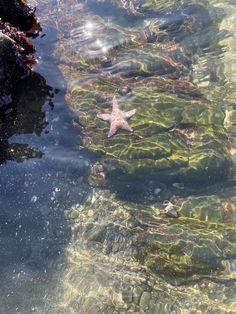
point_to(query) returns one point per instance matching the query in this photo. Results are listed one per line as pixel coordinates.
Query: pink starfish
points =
(117, 118)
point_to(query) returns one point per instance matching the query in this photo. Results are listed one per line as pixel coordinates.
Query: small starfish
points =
(117, 118)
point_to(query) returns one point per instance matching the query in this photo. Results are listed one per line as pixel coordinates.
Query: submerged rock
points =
(124, 256)
(178, 134)
(183, 246)
(173, 138)
(137, 261)
(210, 208)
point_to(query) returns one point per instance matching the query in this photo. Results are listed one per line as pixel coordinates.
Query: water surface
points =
(53, 258)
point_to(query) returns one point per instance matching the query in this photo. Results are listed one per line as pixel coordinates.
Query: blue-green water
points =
(67, 247)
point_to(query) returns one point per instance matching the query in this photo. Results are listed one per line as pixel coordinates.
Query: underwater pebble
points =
(157, 191)
(178, 185)
(127, 296)
(90, 213)
(172, 213)
(34, 199)
(115, 247)
(136, 294)
(145, 300)
(73, 214)
(170, 210)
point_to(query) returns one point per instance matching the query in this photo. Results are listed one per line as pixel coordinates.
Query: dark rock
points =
(23, 115)
(8, 67)
(172, 213)
(17, 20)
(19, 14)
(15, 52)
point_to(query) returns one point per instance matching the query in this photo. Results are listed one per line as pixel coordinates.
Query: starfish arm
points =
(130, 113)
(113, 129)
(115, 105)
(125, 126)
(104, 116)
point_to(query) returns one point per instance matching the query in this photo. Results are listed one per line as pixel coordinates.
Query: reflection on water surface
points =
(82, 222)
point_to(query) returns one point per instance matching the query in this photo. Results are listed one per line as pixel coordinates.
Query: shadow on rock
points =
(24, 116)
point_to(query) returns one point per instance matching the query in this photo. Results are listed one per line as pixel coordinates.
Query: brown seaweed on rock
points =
(18, 82)
(15, 60)
(16, 20)
(22, 43)
(19, 14)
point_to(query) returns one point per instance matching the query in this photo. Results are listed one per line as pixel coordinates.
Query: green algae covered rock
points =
(145, 261)
(209, 208)
(129, 252)
(139, 7)
(188, 247)
(173, 137)
(142, 7)
(206, 208)
(178, 135)
(185, 247)
(110, 49)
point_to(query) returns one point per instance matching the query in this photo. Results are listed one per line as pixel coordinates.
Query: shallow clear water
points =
(67, 247)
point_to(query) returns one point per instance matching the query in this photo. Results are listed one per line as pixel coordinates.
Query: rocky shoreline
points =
(17, 21)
